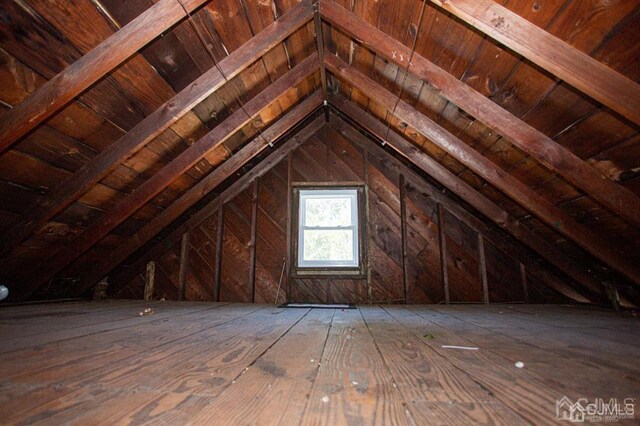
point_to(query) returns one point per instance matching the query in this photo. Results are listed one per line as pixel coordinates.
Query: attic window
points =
(329, 234)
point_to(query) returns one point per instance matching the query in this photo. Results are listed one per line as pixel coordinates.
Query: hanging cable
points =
(406, 72)
(215, 63)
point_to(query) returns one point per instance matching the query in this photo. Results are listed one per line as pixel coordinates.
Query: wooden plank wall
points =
(330, 157)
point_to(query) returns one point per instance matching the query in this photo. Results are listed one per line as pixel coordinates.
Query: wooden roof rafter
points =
(606, 251)
(470, 195)
(541, 147)
(153, 186)
(586, 74)
(96, 169)
(80, 75)
(283, 125)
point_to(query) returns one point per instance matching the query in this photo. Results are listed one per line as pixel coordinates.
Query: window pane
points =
(328, 212)
(334, 245)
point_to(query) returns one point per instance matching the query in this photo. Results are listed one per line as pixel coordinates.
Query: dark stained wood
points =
(442, 238)
(543, 49)
(289, 236)
(598, 245)
(367, 215)
(158, 121)
(403, 230)
(523, 281)
(113, 51)
(180, 164)
(475, 199)
(524, 136)
(184, 264)
(218, 262)
(149, 280)
(482, 269)
(210, 182)
(317, 20)
(254, 240)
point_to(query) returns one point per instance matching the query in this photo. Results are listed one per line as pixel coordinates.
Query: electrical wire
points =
(406, 71)
(215, 63)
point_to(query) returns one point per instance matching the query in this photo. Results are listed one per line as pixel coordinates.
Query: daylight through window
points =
(328, 228)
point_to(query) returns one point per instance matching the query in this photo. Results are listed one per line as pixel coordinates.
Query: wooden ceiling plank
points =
(551, 215)
(557, 158)
(551, 53)
(465, 191)
(160, 180)
(155, 123)
(76, 78)
(215, 178)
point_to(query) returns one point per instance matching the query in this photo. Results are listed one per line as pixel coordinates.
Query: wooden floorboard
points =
(558, 369)
(207, 363)
(353, 385)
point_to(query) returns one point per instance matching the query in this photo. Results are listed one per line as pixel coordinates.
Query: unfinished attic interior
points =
(319, 212)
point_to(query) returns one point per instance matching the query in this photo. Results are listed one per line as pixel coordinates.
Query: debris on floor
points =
(429, 336)
(466, 348)
(147, 311)
(519, 364)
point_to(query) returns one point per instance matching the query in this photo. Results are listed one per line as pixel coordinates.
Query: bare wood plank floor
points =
(208, 363)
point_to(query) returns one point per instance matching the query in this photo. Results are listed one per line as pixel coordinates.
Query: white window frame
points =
(346, 193)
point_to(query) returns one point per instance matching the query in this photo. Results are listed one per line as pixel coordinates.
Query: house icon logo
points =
(570, 411)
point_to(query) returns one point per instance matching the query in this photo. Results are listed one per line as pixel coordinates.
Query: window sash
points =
(352, 195)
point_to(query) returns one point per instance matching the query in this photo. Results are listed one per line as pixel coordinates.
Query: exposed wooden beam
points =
(64, 194)
(211, 181)
(253, 241)
(367, 216)
(184, 265)
(80, 75)
(541, 147)
(586, 74)
(516, 251)
(320, 46)
(217, 279)
(442, 240)
(289, 219)
(149, 280)
(403, 233)
(482, 269)
(523, 281)
(556, 218)
(183, 162)
(475, 199)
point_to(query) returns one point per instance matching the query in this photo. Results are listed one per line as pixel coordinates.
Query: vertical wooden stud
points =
(219, 242)
(184, 264)
(367, 215)
(289, 219)
(443, 254)
(523, 279)
(320, 46)
(254, 239)
(482, 269)
(149, 280)
(403, 232)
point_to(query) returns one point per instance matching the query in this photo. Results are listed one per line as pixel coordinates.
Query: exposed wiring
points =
(406, 72)
(215, 63)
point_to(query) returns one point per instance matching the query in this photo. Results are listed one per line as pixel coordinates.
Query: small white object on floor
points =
(519, 364)
(4, 292)
(325, 399)
(466, 348)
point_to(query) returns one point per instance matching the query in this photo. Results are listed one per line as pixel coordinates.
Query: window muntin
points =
(328, 228)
